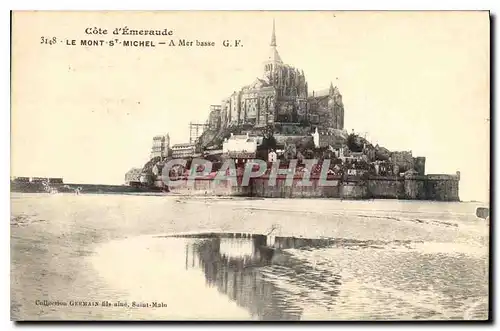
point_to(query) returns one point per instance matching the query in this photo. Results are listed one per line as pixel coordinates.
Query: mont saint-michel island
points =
(286, 134)
(278, 120)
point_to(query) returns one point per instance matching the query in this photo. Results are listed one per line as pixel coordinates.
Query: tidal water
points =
(140, 257)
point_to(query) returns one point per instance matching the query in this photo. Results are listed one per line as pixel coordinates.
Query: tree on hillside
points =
(268, 142)
(305, 144)
(354, 143)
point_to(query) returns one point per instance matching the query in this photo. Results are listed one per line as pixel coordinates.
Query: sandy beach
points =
(409, 260)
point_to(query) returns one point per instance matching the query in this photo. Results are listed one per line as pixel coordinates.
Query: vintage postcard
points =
(250, 165)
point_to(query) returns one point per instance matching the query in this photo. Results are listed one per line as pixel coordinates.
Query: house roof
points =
(258, 83)
(321, 94)
(274, 56)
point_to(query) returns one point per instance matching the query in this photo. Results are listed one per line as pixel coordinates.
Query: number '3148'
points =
(48, 41)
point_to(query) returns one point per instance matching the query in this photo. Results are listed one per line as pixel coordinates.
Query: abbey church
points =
(280, 97)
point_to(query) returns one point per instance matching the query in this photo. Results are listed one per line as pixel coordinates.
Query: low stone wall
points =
(385, 188)
(210, 187)
(261, 188)
(442, 188)
(354, 190)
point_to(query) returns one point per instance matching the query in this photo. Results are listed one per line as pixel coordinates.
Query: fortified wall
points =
(411, 187)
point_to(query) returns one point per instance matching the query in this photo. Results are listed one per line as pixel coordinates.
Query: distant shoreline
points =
(39, 187)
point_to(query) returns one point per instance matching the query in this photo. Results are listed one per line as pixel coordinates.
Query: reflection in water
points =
(434, 271)
(258, 277)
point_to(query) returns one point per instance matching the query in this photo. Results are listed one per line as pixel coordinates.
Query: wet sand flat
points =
(390, 259)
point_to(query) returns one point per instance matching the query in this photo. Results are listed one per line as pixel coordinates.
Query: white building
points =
(272, 156)
(240, 146)
(182, 150)
(316, 138)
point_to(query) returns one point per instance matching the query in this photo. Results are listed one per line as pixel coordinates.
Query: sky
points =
(410, 81)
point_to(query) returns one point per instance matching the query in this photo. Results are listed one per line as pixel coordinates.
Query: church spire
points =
(274, 56)
(271, 66)
(331, 88)
(273, 37)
